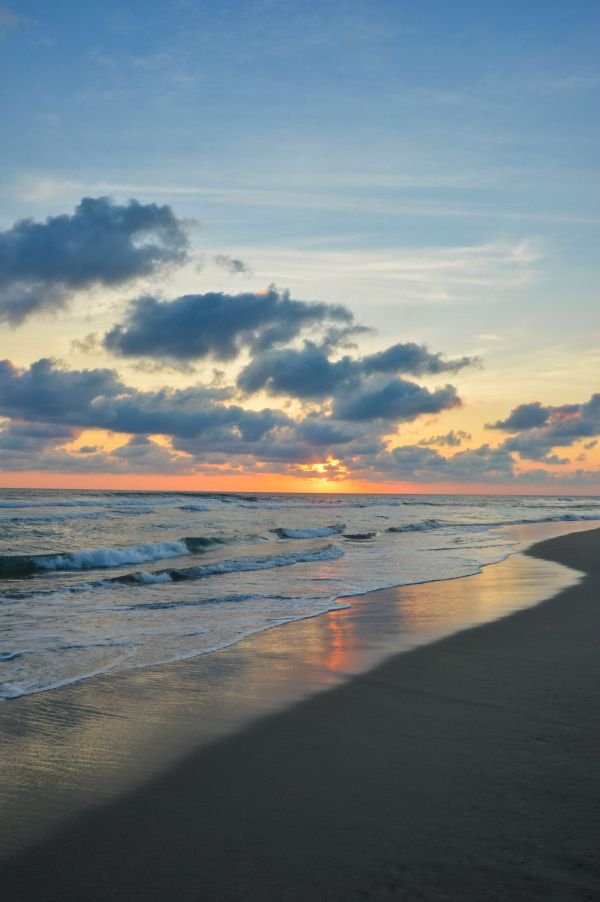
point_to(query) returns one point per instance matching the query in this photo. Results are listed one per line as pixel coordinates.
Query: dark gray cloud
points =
(98, 399)
(533, 415)
(525, 416)
(27, 437)
(396, 400)
(535, 445)
(202, 421)
(557, 427)
(418, 464)
(49, 406)
(139, 454)
(218, 325)
(318, 431)
(309, 374)
(356, 387)
(45, 392)
(451, 439)
(293, 445)
(495, 466)
(101, 243)
(412, 358)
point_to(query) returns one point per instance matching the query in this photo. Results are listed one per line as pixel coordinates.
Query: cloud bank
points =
(335, 406)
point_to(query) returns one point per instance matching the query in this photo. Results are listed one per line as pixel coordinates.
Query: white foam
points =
(312, 532)
(96, 558)
(148, 578)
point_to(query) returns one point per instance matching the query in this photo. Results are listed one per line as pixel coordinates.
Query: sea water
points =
(93, 582)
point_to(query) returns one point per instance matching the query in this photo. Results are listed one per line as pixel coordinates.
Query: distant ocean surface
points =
(104, 581)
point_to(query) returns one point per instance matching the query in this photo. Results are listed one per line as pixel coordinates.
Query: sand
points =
(468, 769)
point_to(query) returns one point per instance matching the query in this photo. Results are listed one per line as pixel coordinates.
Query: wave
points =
(426, 525)
(236, 565)
(568, 517)
(77, 515)
(103, 557)
(196, 544)
(14, 566)
(51, 518)
(359, 536)
(193, 603)
(84, 502)
(314, 532)
(220, 600)
(421, 526)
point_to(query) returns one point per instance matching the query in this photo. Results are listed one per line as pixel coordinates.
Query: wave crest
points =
(309, 532)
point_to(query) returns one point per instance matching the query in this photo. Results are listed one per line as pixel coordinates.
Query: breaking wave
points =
(20, 566)
(311, 532)
(237, 565)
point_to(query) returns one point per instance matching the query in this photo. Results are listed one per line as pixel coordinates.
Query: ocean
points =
(98, 582)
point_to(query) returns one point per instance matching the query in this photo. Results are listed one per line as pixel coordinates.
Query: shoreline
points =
(471, 759)
(68, 750)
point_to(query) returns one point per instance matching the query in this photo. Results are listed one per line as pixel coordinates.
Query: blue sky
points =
(432, 166)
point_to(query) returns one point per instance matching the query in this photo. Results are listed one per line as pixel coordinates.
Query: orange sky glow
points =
(265, 482)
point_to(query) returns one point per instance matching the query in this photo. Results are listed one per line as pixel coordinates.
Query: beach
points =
(464, 769)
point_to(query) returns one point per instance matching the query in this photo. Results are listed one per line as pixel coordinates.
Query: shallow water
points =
(100, 582)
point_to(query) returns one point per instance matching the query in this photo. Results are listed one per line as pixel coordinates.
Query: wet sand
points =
(467, 769)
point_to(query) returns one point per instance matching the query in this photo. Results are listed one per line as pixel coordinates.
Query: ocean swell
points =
(237, 565)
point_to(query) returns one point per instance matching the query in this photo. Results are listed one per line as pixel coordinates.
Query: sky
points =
(300, 246)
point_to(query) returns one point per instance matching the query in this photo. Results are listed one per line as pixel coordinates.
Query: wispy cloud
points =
(408, 275)
(352, 193)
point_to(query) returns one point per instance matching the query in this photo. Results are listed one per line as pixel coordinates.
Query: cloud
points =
(98, 399)
(26, 437)
(451, 439)
(102, 243)
(394, 401)
(232, 264)
(415, 463)
(216, 324)
(485, 464)
(412, 358)
(525, 416)
(308, 373)
(543, 428)
(89, 344)
(139, 454)
(49, 406)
